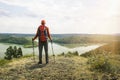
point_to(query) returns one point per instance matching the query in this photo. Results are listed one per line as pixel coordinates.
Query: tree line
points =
(15, 40)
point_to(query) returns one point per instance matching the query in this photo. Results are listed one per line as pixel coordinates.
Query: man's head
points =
(43, 22)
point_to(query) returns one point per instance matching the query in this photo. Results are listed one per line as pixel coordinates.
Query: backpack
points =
(42, 33)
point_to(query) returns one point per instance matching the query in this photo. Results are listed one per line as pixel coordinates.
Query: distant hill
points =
(15, 35)
(84, 38)
(15, 40)
(108, 49)
(70, 38)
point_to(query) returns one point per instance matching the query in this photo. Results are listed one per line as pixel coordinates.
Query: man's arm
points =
(35, 35)
(49, 36)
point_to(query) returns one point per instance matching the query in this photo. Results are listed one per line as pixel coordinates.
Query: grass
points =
(25, 68)
(27, 56)
(4, 62)
(109, 49)
(104, 64)
(65, 68)
(105, 59)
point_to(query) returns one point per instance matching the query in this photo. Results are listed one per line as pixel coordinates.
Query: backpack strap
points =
(45, 31)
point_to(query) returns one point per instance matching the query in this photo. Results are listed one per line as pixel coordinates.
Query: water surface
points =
(57, 49)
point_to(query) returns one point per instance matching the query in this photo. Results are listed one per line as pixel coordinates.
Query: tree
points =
(19, 52)
(15, 52)
(9, 53)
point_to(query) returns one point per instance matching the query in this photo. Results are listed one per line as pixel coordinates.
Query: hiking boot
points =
(39, 62)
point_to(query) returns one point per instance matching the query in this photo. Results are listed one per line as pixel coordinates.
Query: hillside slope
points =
(65, 68)
(110, 49)
(27, 69)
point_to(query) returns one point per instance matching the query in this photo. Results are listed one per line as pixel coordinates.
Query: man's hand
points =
(51, 41)
(32, 39)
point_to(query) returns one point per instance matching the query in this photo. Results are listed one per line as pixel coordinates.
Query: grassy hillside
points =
(105, 59)
(65, 68)
(108, 49)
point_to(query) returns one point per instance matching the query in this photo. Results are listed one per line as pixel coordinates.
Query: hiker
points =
(43, 34)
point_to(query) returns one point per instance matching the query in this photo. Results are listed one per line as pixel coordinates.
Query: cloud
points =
(15, 10)
(4, 12)
(62, 16)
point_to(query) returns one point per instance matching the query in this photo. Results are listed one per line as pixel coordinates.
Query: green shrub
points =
(69, 54)
(9, 53)
(19, 52)
(13, 53)
(62, 54)
(76, 53)
(102, 63)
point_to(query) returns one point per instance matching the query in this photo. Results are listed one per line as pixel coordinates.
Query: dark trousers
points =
(45, 45)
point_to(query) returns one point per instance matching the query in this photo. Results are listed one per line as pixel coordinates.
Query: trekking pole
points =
(53, 52)
(33, 51)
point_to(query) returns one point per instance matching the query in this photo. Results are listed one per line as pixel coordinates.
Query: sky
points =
(62, 16)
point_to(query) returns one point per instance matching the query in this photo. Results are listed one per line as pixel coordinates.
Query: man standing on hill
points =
(43, 34)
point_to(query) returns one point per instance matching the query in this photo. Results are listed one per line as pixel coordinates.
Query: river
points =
(57, 49)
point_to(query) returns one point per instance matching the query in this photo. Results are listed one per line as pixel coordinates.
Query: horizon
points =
(65, 33)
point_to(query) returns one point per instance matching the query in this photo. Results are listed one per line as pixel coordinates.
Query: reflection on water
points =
(57, 49)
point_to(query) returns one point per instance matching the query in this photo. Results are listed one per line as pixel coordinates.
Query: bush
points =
(13, 53)
(102, 63)
(9, 53)
(69, 54)
(76, 53)
(19, 52)
(62, 54)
